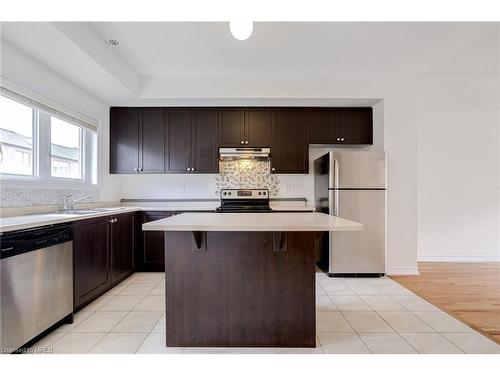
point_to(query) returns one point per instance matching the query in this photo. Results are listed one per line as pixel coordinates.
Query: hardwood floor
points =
(468, 291)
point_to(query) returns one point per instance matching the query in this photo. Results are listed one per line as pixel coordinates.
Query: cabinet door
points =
(179, 140)
(231, 127)
(354, 125)
(152, 145)
(204, 146)
(122, 246)
(319, 123)
(288, 150)
(258, 127)
(90, 259)
(151, 255)
(124, 140)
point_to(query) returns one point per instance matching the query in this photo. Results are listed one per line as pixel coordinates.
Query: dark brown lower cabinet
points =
(150, 254)
(122, 235)
(103, 251)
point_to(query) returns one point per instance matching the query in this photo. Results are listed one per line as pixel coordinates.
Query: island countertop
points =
(253, 222)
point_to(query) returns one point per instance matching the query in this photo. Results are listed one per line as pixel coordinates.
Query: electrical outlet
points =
(287, 188)
(182, 188)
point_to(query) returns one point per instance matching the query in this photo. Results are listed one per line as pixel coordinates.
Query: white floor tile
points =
(119, 288)
(45, 345)
(138, 321)
(100, 321)
(331, 321)
(366, 321)
(81, 315)
(415, 303)
(77, 343)
(155, 344)
(316, 350)
(386, 343)
(342, 343)
(382, 303)
(137, 289)
(119, 343)
(158, 290)
(205, 351)
(473, 343)
(338, 290)
(431, 343)
(442, 322)
(252, 351)
(320, 291)
(324, 303)
(404, 321)
(151, 303)
(350, 303)
(367, 290)
(160, 325)
(99, 302)
(122, 303)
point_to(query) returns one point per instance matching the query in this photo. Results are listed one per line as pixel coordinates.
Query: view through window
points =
(16, 138)
(65, 149)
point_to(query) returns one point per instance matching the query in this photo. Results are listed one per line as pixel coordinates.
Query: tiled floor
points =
(354, 315)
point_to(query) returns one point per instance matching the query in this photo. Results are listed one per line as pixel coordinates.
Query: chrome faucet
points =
(69, 203)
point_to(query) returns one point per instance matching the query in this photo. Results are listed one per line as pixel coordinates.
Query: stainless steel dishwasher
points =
(36, 277)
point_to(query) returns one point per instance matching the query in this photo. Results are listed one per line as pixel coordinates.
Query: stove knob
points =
(264, 193)
(260, 193)
(229, 193)
(225, 193)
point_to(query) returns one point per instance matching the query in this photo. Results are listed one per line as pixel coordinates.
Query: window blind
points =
(45, 108)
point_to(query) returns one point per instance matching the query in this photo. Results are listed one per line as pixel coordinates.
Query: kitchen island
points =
(242, 279)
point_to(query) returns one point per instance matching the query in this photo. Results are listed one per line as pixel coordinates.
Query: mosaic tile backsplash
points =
(21, 197)
(247, 174)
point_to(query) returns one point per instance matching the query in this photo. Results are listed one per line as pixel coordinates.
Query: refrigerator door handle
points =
(333, 199)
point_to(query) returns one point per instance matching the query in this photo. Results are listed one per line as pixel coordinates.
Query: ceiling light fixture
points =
(241, 29)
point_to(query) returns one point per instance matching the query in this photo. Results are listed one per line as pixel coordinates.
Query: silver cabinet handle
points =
(246, 142)
(192, 169)
(338, 139)
(342, 139)
(242, 142)
(136, 169)
(273, 169)
(189, 169)
(111, 221)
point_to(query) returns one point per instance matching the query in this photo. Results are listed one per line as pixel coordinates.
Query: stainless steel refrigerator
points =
(352, 185)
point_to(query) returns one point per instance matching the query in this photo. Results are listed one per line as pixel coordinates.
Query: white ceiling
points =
(150, 53)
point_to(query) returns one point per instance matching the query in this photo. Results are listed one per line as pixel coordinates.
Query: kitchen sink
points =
(107, 209)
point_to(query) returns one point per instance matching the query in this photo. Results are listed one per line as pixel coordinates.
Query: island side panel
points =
(240, 289)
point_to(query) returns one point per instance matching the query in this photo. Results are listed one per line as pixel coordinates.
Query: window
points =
(65, 149)
(16, 138)
(41, 144)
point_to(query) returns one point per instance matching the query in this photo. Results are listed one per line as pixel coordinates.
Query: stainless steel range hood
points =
(245, 153)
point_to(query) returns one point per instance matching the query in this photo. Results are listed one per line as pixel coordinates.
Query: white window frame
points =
(41, 166)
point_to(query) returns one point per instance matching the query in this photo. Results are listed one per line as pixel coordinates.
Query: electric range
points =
(244, 200)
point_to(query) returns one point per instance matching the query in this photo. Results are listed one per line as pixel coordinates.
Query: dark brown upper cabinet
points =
(204, 151)
(289, 151)
(339, 125)
(124, 140)
(248, 127)
(192, 140)
(136, 140)
(151, 144)
(354, 125)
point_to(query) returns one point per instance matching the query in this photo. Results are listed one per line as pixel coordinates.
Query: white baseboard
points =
(459, 258)
(394, 271)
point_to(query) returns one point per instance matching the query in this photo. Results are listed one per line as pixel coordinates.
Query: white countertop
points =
(253, 222)
(9, 224)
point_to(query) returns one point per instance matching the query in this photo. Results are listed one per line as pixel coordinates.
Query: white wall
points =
(23, 74)
(458, 169)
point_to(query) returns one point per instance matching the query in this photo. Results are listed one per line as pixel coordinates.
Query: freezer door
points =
(363, 251)
(358, 169)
